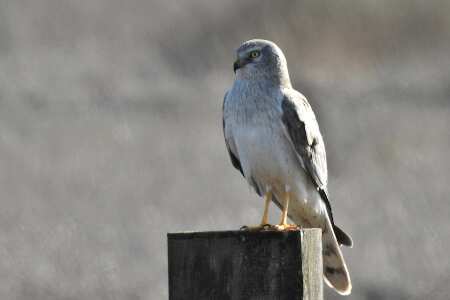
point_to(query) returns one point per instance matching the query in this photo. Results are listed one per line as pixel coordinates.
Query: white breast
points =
(265, 153)
(255, 132)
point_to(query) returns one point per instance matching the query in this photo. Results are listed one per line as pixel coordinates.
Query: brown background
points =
(111, 136)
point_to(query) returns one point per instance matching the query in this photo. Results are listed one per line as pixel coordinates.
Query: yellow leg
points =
(266, 208)
(283, 225)
(263, 224)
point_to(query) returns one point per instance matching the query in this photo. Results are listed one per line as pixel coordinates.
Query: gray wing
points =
(234, 160)
(234, 157)
(302, 129)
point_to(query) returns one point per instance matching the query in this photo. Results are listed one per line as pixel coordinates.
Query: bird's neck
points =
(267, 81)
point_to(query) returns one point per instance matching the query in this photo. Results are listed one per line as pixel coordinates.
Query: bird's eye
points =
(254, 54)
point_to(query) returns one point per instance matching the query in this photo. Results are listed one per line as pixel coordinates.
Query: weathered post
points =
(245, 265)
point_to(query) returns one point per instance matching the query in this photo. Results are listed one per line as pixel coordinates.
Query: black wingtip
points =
(342, 237)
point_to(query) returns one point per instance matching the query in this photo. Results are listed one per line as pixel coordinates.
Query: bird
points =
(273, 140)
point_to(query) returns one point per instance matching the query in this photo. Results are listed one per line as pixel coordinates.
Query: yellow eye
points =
(255, 54)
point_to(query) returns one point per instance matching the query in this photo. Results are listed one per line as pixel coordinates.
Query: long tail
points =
(334, 269)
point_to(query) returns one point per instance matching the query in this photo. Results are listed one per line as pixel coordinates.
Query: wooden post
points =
(245, 265)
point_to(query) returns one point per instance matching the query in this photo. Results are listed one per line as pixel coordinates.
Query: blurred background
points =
(111, 137)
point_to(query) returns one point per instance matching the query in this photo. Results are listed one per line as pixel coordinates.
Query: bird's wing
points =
(233, 156)
(302, 129)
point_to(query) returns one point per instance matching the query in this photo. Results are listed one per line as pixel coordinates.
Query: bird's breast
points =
(256, 133)
(264, 150)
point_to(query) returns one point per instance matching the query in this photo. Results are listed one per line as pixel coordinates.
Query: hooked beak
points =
(236, 64)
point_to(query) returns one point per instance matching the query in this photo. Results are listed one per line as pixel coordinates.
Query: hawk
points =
(273, 139)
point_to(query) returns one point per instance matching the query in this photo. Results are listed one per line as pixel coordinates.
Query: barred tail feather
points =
(334, 269)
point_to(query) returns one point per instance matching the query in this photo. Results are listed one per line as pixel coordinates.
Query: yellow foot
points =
(260, 227)
(283, 227)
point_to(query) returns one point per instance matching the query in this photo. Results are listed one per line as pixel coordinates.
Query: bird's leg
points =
(264, 224)
(283, 225)
(285, 208)
(266, 208)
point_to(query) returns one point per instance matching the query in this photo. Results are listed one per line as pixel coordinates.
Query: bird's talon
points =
(266, 226)
(259, 227)
(284, 227)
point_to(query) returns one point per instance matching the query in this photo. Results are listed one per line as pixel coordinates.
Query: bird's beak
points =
(236, 65)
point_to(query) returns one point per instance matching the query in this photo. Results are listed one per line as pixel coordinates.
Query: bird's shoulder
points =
(302, 129)
(297, 112)
(297, 102)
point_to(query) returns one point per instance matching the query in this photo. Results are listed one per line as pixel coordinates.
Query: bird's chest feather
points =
(266, 150)
(259, 137)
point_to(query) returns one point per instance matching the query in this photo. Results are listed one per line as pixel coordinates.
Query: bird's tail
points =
(334, 269)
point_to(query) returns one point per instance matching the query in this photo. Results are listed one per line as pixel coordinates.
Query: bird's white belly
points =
(269, 158)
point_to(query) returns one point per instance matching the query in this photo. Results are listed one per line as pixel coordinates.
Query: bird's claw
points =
(260, 227)
(283, 227)
(266, 226)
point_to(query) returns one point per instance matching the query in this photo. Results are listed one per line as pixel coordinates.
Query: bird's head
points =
(261, 59)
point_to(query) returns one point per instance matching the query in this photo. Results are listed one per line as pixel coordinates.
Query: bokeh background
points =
(111, 136)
